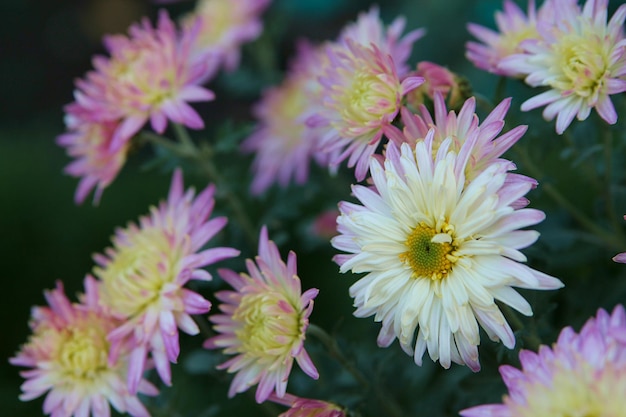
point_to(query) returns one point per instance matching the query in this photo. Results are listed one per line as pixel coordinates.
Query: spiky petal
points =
(438, 251)
(96, 162)
(582, 374)
(151, 75)
(143, 276)
(68, 356)
(514, 27)
(263, 323)
(224, 25)
(581, 59)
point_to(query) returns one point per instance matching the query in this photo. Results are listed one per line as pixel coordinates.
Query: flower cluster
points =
(151, 75)
(96, 351)
(143, 276)
(450, 246)
(572, 51)
(433, 232)
(335, 102)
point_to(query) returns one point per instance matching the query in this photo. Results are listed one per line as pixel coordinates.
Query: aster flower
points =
(581, 59)
(582, 374)
(362, 94)
(307, 407)
(263, 323)
(142, 276)
(96, 163)
(224, 25)
(67, 356)
(514, 27)
(438, 251)
(150, 75)
(462, 128)
(283, 143)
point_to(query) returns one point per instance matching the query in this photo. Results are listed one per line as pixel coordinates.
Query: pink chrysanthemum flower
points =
(142, 276)
(361, 95)
(283, 143)
(96, 162)
(263, 323)
(224, 25)
(151, 75)
(369, 29)
(514, 27)
(581, 59)
(438, 251)
(581, 375)
(307, 407)
(68, 356)
(460, 129)
(437, 79)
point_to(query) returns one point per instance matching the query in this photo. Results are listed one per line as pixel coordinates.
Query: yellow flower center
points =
(429, 254)
(218, 17)
(582, 65)
(289, 104)
(138, 270)
(509, 42)
(582, 392)
(83, 352)
(267, 331)
(365, 102)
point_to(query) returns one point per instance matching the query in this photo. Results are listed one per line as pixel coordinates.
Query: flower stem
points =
(333, 349)
(591, 173)
(392, 408)
(206, 163)
(204, 158)
(614, 218)
(610, 240)
(203, 325)
(500, 90)
(183, 136)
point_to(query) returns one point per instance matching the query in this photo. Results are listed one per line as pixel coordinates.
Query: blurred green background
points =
(45, 45)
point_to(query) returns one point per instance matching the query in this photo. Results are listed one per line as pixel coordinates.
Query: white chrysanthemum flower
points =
(438, 252)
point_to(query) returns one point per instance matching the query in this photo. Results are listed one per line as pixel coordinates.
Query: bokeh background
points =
(44, 236)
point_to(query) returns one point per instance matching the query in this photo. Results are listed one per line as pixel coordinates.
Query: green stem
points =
(183, 136)
(186, 148)
(500, 89)
(614, 218)
(164, 143)
(392, 408)
(612, 241)
(203, 325)
(591, 173)
(206, 163)
(333, 349)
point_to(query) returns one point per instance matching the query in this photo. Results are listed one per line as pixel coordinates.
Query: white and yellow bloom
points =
(438, 251)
